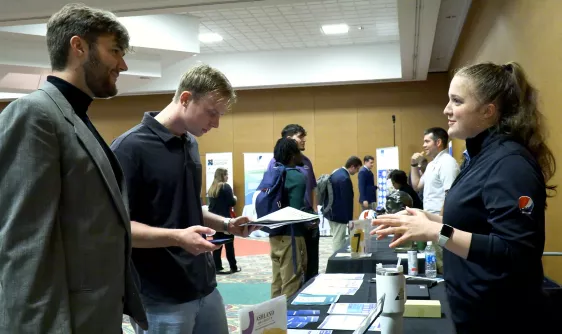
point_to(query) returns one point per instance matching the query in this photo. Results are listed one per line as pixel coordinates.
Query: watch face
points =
(446, 231)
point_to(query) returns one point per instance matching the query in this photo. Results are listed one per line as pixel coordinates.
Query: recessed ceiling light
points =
(334, 29)
(210, 37)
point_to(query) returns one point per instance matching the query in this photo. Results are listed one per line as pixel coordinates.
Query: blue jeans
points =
(200, 316)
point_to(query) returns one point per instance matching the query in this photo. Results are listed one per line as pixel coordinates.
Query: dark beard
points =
(97, 76)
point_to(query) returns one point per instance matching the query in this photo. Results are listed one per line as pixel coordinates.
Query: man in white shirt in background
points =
(439, 173)
(438, 176)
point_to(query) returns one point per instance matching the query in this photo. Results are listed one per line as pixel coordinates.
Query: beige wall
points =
(528, 32)
(340, 120)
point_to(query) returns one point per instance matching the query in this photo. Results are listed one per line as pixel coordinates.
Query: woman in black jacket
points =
(493, 226)
(221, 200)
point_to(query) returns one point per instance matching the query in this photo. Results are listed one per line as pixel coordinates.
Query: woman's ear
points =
(490, 111)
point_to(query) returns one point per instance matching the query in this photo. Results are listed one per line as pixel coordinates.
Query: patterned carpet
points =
(255, 269)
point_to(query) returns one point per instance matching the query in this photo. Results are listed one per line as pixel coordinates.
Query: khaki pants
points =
(339, 232)
(285, 280)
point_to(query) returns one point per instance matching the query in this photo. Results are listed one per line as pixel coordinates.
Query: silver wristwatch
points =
(225, 224)
(445, 234)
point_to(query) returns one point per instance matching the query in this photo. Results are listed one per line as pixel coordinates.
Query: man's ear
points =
(185, 97)
(78, 46)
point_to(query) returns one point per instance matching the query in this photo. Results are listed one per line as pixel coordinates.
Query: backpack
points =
(270, 197)
(324, 193)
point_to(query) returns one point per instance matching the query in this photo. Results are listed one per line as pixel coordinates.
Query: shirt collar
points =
(78, 100)
(475, 144)
(159, 129)
(346, 170)
(440, 154)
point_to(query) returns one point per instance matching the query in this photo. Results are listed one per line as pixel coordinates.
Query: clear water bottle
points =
(430, 261)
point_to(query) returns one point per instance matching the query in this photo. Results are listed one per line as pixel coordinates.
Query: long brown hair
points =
(218, 182)
(506, 87)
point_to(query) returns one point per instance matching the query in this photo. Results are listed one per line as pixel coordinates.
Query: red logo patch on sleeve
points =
(526, 205)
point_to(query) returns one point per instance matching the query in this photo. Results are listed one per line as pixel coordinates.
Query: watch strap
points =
(442, 240)
(226, 222)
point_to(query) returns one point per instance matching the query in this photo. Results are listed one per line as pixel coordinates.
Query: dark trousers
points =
(312, 241)
(229, 252)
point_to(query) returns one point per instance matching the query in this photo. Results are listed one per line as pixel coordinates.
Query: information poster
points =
(269, 317)
(255, 165)
(387, 160)
(214, 161)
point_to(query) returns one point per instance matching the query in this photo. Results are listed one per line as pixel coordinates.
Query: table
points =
(367, 294)
(384, 255)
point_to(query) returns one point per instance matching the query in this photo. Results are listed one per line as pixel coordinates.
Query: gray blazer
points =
(65, 235)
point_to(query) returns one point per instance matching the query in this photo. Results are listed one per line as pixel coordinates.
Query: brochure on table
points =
(304, 299)
(352, 308)
(360, 324)
(337, 284)
(269, 317)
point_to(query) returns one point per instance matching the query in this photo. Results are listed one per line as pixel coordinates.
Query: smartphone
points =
(220, 241)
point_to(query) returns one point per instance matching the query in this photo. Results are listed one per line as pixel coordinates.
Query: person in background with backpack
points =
(221, 200)
(341, 211)
(312, 233)
(288, 247)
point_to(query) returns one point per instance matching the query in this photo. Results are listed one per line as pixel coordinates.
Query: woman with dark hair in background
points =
(288, 246)
(399, 181)
(221, 200)
(493, 223)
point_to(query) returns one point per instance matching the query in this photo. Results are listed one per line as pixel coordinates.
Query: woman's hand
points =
(413, 226)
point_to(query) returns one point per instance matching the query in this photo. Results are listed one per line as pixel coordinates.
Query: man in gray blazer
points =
(65, 236)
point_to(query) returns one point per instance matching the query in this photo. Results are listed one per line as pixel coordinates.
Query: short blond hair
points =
(204, 79)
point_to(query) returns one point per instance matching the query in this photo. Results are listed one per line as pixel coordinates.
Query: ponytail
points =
(507, 87)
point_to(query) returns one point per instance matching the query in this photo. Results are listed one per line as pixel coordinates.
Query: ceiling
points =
(289, 26)
(265, 43)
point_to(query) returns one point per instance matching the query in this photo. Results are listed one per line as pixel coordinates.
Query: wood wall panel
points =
(115, 116)
(335, 118)
(340, 120)
(253, 128)
(295, 106)
(527, 32)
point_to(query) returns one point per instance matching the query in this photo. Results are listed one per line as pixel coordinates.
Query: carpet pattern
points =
(256, 272)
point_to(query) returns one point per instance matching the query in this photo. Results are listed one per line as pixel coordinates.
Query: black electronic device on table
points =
(417, 291)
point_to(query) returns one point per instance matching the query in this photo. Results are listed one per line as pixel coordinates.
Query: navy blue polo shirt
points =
(163, 174)
(499, 197)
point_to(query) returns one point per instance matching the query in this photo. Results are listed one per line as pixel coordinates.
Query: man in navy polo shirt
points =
(160, 160)
(312, 234)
